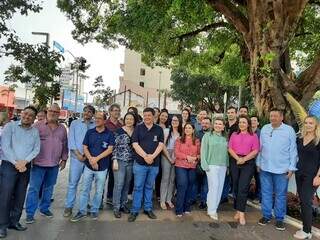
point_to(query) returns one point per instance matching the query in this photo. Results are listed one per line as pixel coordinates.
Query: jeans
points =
(216, 176)
(185, 178)
(274, 185)
(226, 187)
(99, 177)
(41, 175)
(122, 180)
(167, 180)
(75, 172)
(13, 188)
(144, 179)
(204, 188)
(241, 176)
(306, 192)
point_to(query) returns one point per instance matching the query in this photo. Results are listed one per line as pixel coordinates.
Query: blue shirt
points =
(77, 132)
(19, 143)
(149, 140)
(278, 149)
(97, 143)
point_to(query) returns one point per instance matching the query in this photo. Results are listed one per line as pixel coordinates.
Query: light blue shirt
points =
(278, 149)
(77, 132)
(19, 143)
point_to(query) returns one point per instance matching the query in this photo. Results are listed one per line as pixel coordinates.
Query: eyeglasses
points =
(56, 112)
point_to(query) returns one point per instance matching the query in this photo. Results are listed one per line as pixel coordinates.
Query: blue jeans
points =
(99, 177)
(75, 172)
(226, 187)
(122, 179)
(204, 189)
(144, 178)
(185, 179)
(46, 176)
(274, 185)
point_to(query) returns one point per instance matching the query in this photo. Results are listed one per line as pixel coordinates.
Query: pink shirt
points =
(181, 151)
(244, 143)
(54, 145)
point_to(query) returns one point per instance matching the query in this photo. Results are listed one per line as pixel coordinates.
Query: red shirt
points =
(181, 151)
(111, 126)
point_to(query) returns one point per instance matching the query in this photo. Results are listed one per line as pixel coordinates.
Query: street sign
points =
(58, 46)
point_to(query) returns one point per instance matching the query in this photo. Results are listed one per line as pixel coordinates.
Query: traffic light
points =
(82, 64)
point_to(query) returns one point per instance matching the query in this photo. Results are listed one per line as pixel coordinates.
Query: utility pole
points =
(159, 94)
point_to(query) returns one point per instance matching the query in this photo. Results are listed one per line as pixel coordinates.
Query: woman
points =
(187, 153)
(122, 164)
(167, 164)
(135, 111)
(243, 148)
(308, 173)
(156, 114)
(214, 160)
(186, 117)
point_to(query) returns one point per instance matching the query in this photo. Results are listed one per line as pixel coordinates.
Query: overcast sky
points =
(103, 62)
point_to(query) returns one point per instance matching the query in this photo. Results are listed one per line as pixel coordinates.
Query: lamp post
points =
(159, 94)
(47, 35)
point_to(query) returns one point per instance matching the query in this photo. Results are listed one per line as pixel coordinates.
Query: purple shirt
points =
(54, 145)
(244, 143)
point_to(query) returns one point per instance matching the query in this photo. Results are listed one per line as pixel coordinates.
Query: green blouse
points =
(214, 150)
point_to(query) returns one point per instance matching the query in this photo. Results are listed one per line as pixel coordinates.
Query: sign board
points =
(69, 101)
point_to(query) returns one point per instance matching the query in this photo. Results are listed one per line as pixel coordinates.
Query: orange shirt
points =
(182, 150)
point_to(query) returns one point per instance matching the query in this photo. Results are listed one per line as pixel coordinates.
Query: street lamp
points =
(47, 35)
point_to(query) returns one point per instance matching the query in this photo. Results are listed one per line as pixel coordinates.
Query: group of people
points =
(180, 157)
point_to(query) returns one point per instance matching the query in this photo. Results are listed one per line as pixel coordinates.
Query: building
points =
(140, 84)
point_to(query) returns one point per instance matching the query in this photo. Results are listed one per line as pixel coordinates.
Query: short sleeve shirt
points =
(97, 143)
(149, 140)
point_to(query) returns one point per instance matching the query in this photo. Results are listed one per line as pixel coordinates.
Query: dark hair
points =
(134, 117)
(167, 122)
(113, 106)
(189, 114)
(90, 108)
(171, 128)
(134, 109)
(164, 110)
(156, 108)
(249, 124)
(43, 110)
(32, 108)
(277, 110)
(183, 137)
(207, 118)
(232, 107)
(188, 106)
(224, 123)
(149, 109)
(244, 106)
(255, 116)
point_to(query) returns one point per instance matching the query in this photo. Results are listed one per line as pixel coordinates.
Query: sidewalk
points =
(197, 226)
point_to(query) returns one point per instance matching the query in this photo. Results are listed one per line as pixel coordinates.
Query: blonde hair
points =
(316, 139)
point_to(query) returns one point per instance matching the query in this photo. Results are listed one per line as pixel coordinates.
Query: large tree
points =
(269, 34)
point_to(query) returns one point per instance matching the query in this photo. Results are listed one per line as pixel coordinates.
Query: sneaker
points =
(125, 209)
(179, 215)
(302, 235)
(78, 217)
(280, 226)
(67, 212)
(214, 216)
(94, 215)
(47, 214)
(187, 212)
(132, 217)
(117, 213)
(263, 221)
(30, 220)
(256, 201)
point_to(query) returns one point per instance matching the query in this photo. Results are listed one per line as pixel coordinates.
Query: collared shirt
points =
(278, 149)
(77, 132)
(111, 126)
(19, 143)
(231, 129)
(97, 143)
(149, 140)
(54, 145)
(197, 127)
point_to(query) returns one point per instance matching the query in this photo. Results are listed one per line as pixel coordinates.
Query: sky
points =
(105, 62)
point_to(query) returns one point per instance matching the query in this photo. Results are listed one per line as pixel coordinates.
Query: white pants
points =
(216, 176)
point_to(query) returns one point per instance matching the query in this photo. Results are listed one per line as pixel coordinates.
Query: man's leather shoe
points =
(18, 227)
(3, 233)
(150, 214)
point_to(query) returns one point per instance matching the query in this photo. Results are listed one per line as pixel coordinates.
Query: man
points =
(97, 147)
(20, 143)
(147, 141)
(42, 115)
(276, 163)
(53, 155)
(77, 133)
(202, 114)
(112, 124)
(243, 110)
(202, 183)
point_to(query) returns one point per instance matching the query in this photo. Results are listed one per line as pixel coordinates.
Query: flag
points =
(58, 46)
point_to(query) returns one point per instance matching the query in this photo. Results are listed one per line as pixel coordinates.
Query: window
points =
(141, 84)
(142, 72)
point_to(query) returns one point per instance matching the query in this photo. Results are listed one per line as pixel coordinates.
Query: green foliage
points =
(102, 95)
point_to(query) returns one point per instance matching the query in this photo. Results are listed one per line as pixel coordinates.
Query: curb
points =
(290, 220)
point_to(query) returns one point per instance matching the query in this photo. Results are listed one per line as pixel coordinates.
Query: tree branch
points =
(233, 14)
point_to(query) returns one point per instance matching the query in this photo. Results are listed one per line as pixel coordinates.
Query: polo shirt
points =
(148, 139)
(97, 143)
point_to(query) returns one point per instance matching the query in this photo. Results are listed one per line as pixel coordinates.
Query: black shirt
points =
(231, 129)
(148, 139)
(309, 158)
